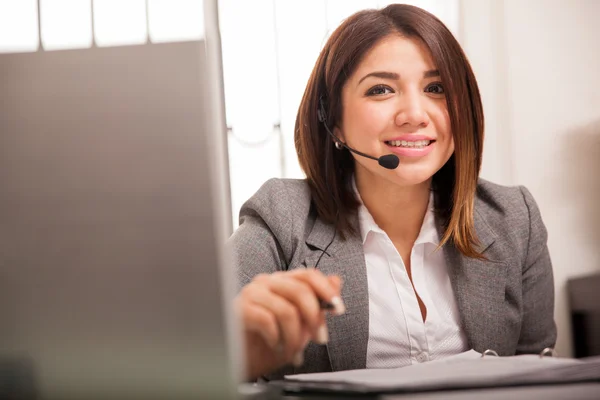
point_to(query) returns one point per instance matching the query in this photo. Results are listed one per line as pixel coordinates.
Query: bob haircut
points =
(329, 171)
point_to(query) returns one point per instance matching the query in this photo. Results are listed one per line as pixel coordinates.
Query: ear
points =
(337, 131)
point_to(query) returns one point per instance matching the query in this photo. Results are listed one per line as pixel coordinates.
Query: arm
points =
(538, 329)
(260, 245)
(279, 309)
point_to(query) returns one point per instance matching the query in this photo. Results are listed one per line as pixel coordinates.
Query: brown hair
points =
(329, 171)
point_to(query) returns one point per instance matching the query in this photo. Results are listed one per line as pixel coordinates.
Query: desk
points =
(577, 391)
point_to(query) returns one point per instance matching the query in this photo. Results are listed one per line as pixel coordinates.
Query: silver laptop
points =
(114, 207)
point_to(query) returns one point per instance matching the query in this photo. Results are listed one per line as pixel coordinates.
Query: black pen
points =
(335, 305)
(326, 306)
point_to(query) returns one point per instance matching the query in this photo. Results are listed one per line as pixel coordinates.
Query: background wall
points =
(537, 62)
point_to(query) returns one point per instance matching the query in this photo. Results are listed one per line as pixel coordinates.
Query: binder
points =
(470, 370)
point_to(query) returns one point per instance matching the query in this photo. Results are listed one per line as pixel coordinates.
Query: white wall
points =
(537, 62)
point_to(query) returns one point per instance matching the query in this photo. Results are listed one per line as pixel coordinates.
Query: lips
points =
(409, 143)
(416, 147)
(411, 137)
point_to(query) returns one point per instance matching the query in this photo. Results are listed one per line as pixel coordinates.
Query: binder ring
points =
(548, 351)
(489, 352)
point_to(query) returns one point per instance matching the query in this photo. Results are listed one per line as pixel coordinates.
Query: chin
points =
(403, 179)
(411, 177)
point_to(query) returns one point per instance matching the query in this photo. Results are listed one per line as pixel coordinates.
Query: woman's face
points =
(395, 103)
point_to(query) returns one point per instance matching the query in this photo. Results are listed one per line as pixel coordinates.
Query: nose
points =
(411, 111)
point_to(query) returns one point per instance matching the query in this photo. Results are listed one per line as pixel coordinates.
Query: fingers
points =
(287, 319)
(323, 287)
(284, 310)
(302, 296)
(336, 282)
(258, 319)
(298, 359)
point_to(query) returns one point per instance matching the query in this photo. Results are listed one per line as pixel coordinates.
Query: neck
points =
(398, 210)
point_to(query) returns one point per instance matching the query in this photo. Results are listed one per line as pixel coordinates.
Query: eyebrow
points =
(381, 74)
(394, 76)
(431, 73)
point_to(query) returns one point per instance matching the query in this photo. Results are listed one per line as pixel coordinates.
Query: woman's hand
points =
(281, 313)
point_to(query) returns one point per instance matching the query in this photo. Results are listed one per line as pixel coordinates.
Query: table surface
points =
(575, 391)
(580, 391)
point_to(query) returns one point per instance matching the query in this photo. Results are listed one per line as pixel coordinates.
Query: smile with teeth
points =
(414, 144)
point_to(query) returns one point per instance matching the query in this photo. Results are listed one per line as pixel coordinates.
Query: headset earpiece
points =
(321, 113)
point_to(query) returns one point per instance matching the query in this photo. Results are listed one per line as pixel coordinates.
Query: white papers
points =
(467, 369)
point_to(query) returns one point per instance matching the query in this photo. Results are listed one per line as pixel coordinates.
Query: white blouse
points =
(397, 334)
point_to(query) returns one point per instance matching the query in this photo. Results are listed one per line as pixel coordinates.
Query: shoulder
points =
(281, 199)
(500, 195)
(274, 187)
(498, 202)
(511, 213)
(277, 216)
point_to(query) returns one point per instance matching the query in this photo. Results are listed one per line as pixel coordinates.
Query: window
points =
(66, 24)
(77, 24)
(18, 26)
(175, 20)
(118, 22)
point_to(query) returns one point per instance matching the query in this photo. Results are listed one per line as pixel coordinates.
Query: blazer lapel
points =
(348, 333)
(479, 287)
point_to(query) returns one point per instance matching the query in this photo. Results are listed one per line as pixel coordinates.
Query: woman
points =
(419, 261)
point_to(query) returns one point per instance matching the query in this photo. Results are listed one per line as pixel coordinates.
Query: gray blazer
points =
(506, 302)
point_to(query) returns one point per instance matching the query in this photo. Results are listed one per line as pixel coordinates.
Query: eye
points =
(379, 90)
(435, 88)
